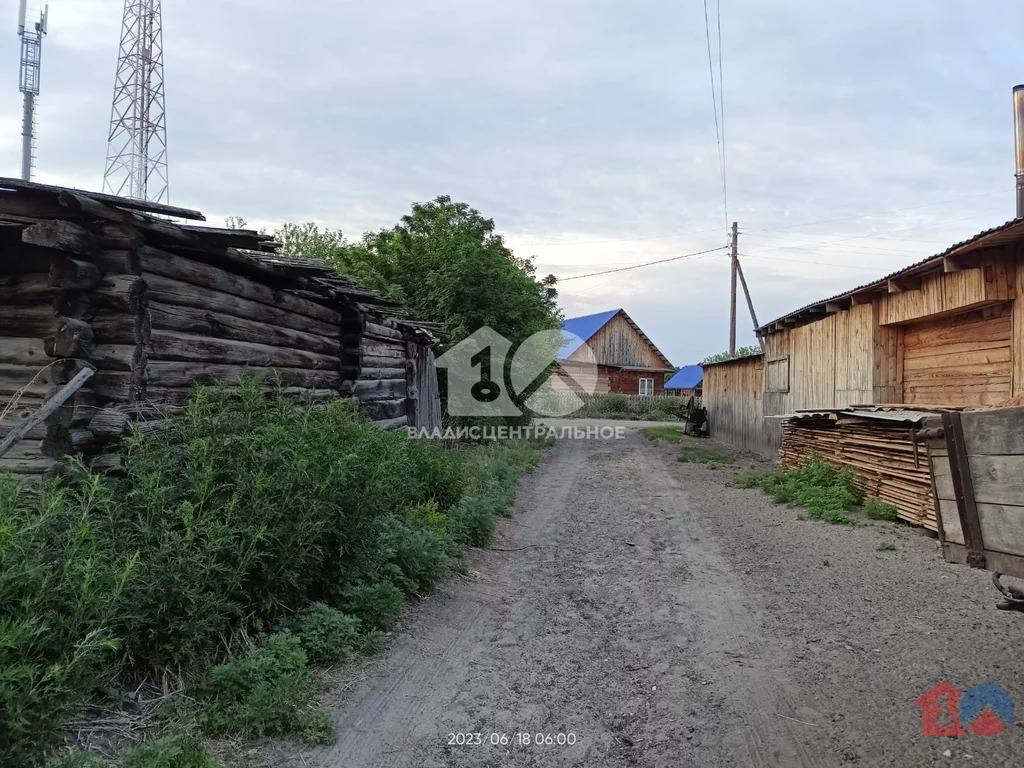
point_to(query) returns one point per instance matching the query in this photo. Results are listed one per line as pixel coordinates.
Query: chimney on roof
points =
(1018, 124)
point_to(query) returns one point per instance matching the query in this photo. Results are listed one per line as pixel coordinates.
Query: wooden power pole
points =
(732, 293)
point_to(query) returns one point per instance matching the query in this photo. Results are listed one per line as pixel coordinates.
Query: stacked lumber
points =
(880, 453)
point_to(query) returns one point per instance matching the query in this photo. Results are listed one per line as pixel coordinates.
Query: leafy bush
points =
(612, 403)
(886, 546)
(247, 508)
(60, 592)
(172, 751)
(826, 493)
(326, 634)
(318, 729)
(377, 606)
(268, 691)
(877, 509)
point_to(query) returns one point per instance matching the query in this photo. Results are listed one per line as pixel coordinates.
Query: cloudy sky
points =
(857, 139)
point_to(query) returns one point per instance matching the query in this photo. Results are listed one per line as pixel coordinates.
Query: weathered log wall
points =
(156, 310)
(48, 285)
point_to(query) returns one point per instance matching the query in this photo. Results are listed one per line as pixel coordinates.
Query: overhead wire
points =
(719, 130)
(644, 264)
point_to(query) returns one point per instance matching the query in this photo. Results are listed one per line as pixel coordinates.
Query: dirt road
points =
(663, 618)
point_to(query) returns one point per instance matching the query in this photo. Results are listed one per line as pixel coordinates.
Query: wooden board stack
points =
(881, 454)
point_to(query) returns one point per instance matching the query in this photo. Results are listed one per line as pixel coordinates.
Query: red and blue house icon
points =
(985, 710)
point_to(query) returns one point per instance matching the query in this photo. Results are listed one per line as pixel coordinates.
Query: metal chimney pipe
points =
(1018, 124)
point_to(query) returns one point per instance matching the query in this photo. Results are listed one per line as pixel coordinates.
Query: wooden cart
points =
(977, 462)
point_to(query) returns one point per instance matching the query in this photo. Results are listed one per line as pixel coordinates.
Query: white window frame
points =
(646, 394)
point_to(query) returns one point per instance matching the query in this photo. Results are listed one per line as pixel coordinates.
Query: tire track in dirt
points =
(611, 616)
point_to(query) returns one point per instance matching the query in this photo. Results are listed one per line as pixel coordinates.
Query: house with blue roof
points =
(688, 381)
(628, 362)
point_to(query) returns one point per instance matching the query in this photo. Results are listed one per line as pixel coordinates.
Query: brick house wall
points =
(628, 382)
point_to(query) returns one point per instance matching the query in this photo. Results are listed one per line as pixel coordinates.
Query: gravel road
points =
(652, 615)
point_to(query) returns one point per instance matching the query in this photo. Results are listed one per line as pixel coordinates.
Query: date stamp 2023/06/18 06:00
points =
(515, 739)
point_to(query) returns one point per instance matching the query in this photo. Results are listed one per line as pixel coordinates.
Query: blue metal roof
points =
(687, 377)
(583, 327)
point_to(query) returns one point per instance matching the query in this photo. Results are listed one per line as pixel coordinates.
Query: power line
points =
(714, 104)
(721, 102)
(645, 264)
(619, 240)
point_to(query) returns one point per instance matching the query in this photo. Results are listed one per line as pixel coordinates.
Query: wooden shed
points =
(733, 396)
(944, 334)
(154, 306)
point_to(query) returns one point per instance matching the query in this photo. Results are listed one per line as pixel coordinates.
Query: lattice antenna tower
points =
(28, 82)
(137, 150)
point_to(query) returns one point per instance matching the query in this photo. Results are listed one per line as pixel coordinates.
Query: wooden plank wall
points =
(831, 362)
(992, 280)
(1017, 367)
(733, 398)
(963, 359)
(618, 344)
(995, 450)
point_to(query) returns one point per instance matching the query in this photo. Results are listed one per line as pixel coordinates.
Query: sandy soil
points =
(664, 618)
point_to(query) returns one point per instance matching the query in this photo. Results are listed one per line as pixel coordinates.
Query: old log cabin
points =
(847, 378)
(155, 307)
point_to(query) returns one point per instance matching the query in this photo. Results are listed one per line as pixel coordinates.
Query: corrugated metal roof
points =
(584, 328)
(1009, 232)
(688, 377)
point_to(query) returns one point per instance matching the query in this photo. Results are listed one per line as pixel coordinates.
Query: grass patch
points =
(826, 493)
(709, 456)
(248, 511)
(171, 751)
(877, 509)
(618, 406)
(886, 546)
(668, 434)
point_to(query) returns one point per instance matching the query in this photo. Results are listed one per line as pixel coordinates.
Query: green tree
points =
(723, 356)
(444, 262)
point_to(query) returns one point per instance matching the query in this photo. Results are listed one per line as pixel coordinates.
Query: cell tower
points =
(137, 151)
(31, 65)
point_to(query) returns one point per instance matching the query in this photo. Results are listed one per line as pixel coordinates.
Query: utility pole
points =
(732, 294)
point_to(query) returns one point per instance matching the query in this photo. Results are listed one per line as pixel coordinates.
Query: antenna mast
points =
(137, 150)
(31, 65)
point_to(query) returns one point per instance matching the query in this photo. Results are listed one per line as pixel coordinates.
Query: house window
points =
(646, 386)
